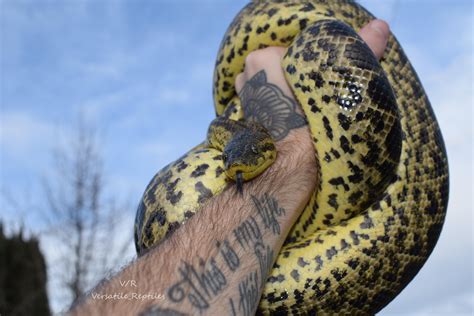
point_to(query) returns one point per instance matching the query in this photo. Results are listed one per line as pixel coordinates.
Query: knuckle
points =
(255, 58)
(266, 56)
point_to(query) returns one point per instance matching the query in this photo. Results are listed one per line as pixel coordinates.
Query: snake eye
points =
(254, 149)
(224, 157)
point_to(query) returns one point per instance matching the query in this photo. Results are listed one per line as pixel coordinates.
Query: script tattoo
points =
(201, 284)
(155, 310)
(204, 285)
(249, 294)
(268, 209)
(249, 288)
(230, 256)
(266, 104)
(264, 254)
(247, 233)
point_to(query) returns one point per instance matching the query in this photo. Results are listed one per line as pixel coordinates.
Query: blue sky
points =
(142, 72)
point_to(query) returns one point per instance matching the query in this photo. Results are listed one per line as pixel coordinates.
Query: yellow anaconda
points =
(382, 198)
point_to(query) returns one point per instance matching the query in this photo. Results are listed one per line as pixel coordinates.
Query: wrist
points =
(293, 177)
(296, 151)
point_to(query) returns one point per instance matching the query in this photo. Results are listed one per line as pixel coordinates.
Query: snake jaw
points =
(239, 180)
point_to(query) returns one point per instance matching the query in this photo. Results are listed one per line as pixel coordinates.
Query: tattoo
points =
(201, 285)
(266, 104)
(155, 310)
(247, 232)
(230, 256)
(249, 294)
(268, 209)
(232, 307)
(204, 285)
(250, 287)
(264, 254)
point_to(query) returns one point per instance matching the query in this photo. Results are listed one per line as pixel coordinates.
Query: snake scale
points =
(382, 198)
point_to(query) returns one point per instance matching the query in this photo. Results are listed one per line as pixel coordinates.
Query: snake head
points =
(248, 154)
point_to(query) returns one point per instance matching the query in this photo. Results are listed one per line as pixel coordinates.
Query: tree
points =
(83, 221)
(22, 276)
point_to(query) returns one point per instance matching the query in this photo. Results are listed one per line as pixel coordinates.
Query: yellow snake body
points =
(380, 206)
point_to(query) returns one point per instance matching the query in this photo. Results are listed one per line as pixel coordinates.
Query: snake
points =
(379, 207)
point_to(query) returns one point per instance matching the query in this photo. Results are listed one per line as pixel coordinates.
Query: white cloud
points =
(156, 149)
(462, 304)
(451, 93)
(96, 108)
(202, 72)
(170, 96)
(21, 133)
(112, 68)
(386, 10)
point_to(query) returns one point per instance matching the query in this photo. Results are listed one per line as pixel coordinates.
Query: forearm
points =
(224, 269)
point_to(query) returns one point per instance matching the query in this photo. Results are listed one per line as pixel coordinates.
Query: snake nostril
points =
(254, 149)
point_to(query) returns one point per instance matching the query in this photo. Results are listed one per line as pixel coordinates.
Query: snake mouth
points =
(241, 174)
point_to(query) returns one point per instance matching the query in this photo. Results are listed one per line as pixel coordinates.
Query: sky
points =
(141, 71)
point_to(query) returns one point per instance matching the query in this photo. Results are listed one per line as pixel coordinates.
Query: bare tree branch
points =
(78, 215)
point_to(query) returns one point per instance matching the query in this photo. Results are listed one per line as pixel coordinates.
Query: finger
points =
(375, 34)
(239, 82)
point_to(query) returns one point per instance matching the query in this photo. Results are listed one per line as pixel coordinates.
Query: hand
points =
(296, 141)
